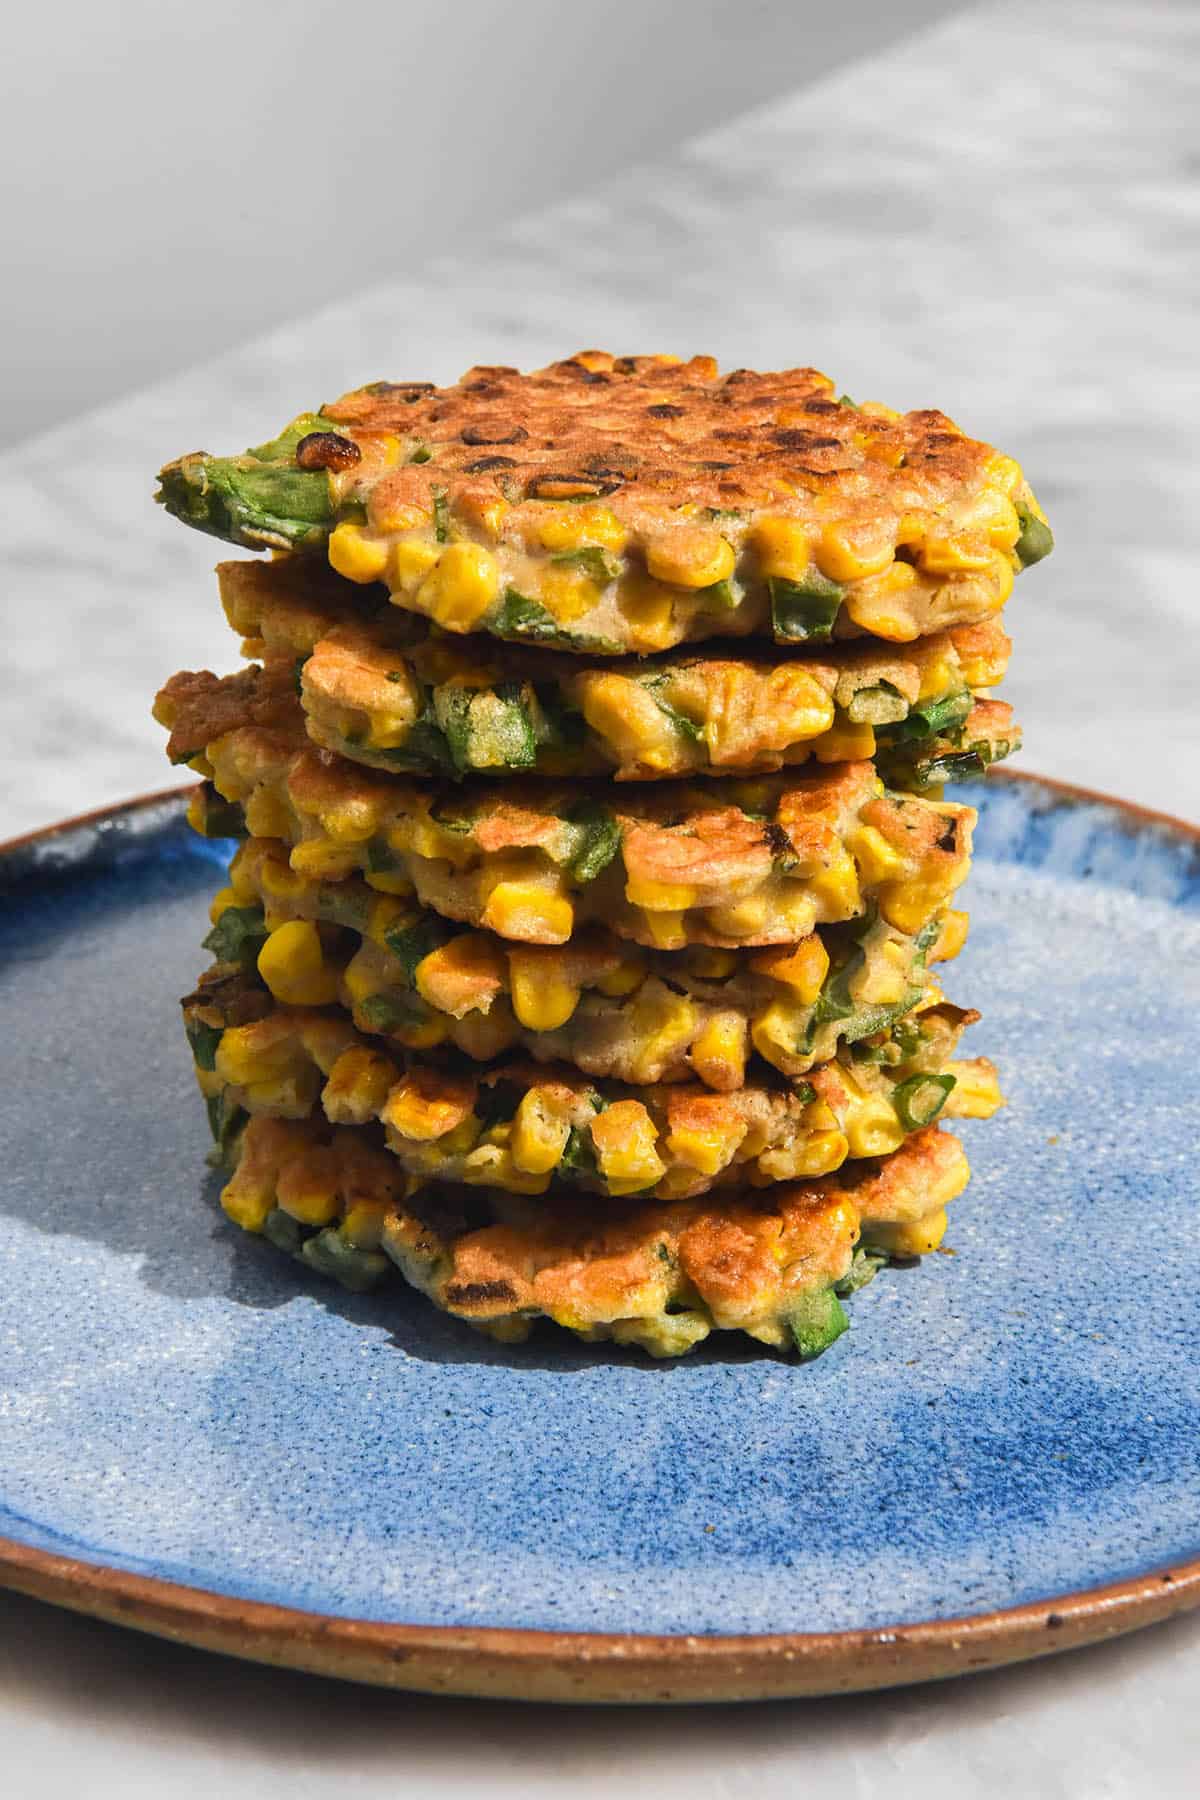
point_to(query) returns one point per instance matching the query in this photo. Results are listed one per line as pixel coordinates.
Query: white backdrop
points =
(177, 178)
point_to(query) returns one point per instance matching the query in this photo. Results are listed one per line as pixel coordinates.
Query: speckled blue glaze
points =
(1018, 1420)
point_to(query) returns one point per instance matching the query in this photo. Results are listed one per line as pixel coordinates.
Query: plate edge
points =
(490, 1662)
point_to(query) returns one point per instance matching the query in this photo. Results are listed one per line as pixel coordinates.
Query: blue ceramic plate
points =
(196, 1438)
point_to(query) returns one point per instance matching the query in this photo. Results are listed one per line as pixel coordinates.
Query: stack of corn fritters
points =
(569, 968)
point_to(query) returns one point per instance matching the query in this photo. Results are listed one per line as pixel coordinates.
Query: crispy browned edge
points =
(601, 1667)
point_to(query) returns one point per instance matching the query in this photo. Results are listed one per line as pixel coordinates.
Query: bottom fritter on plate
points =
(775, 1262)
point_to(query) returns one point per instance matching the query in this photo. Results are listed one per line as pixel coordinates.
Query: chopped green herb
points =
(600, 839)
(816, 1321)
(880, 705)
(441, 515)
(392, 1012)
(382, 859)
(219, 818)
(329, 1254)
(396, 675)
(413, 943)
(600, 564)
(284, 1232)
(804, 611)
(422, 454)
(204, 1040)
(920, 1099)
(238, 936)
(863, 1269)
(1036, 539)
(283, 447)
(721, 596)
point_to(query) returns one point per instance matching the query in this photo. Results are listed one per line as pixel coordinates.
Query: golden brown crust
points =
(660, 1275)
(641, 431)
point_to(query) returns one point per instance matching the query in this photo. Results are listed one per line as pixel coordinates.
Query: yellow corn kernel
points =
(221, 901)
(1004, 525)
(361, 978)
(976, 1091)
(946, 552)
(711, 964)
(571, 527)
(740, 918)
(292, 964)
(267, 814)
(707, 1148)
(358, 1085)
(541, 998)
(881, 604)
(951, 937)
(426, 1117)
(388, 881)
(307, 1188)
(363, 1225)
(885, 979)
(659, 896)
(539, 1133)
(937, 674)
(846, 741)
(801, 967)
(880, 449)
(424, 1034)
(485, 1035)
(872, 1128)
(247, 1203)
(567, 594)
(847, 553)
(876, 859)
(356, 553)
(518, 909)
(690, 556)
(317, 860)
(383, 913)
(649, 610)
(917, 1238)
(836, 889)
(629, 973)
(661, 1025)
(666, 929)
(823, 1151)
(719, 1052)
(1002, 574)
(410, 562)
(460, 587)
(624, 1138)
(907, 904)
(783, 548)
(775, 1032)
(1003, 473)
(280, 881)
(487, 511)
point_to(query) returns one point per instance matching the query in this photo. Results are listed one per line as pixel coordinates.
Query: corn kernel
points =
(872, 1128)
(847, 553)
(363, 1225)
(665, 929)
(629, 974)
(775, 1034)
(221, 901)
(247, 1203)
(539, 1134)
(244, 1055)
(691, 556)
(267, 814)
(571, 527)
(836, 889)
(387, 881)
(307, 1187)
(880, 604)
(649, 610)
(410, 562)
(292, 964)
(951, 937)
(358, 1085)
(976, 1091)
(356, 553)
(783, 548)
(885, 979)
(517, 909)
(624, 1138)
(711, 964)
(719, 1052)
(567, 594)
(662, 1025)
(937, 675)
(946, 552)
(426, 1117)
(460, 587)
(817, 1154)
(740, 918)
(707, 1148)
(802, 967)
(659, 896)
(541, 998)
(876, 859)
(919, 1237)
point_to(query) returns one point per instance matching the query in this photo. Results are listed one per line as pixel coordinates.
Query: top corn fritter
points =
(610, 504)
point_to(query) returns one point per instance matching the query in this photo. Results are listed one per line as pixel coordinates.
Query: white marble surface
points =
(1001, 218)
